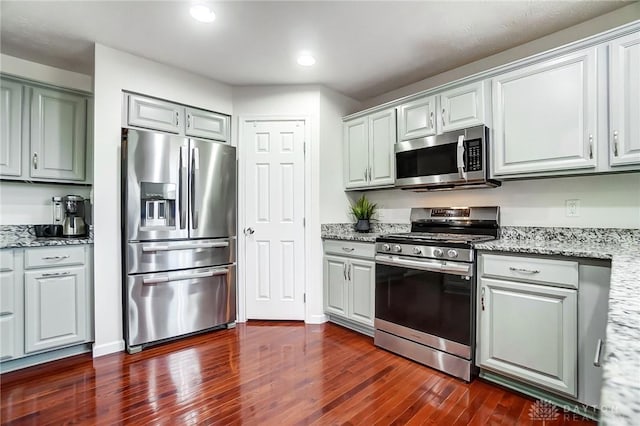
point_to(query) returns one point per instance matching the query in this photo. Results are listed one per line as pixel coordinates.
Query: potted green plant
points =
(363, 211)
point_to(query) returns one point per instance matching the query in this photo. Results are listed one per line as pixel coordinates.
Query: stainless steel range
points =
(425, 287)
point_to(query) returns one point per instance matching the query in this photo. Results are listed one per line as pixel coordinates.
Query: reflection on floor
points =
(263, 373)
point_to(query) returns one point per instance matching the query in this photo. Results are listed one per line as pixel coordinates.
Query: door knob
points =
(249, 231)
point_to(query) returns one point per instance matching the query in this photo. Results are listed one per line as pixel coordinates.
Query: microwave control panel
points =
(473, 154)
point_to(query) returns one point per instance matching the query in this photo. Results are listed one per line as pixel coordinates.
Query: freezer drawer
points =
(170, 304)
(172, 255)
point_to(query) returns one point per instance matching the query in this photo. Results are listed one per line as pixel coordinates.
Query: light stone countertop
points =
(620, 394)
(16, 236)
(347, 232)
(620, 397)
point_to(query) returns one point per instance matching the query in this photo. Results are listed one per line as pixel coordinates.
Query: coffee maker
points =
(73, 224)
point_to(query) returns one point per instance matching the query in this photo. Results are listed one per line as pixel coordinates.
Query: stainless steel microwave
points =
(453, 160)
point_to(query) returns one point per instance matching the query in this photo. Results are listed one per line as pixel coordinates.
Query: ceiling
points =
(362, 48)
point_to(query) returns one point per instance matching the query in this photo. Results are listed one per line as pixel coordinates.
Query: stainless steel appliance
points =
(453, 160)
(73, 224)
(426, 284)
(178, 236)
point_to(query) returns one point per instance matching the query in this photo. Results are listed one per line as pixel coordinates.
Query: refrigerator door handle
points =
(156, 280)
(182, 196)
(186, 246)
(195, 167)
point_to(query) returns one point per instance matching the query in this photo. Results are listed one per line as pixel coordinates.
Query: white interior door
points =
(274, 219)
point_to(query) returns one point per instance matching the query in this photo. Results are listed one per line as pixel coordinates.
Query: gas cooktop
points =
(429, 237)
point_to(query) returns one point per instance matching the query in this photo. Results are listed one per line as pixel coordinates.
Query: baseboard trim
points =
(108, 348)
(316, 319)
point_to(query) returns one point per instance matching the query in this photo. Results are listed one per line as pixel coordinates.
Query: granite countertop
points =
(16, 236)
(347, 232)
(620, 395)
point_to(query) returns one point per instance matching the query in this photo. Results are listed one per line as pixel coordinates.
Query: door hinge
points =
(304, 221)
(304, 297)
(304, 147)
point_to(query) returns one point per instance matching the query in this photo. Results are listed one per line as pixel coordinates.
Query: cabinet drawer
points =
(349, 248)
(540, 270)
(54, 256)
(6, 260)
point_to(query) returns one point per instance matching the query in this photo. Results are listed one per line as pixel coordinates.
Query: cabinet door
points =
(382, 138)
(10, 306)
(529, 331)
(416, 119)
(335, 285)
(154, 114)
(58, 135)
(11, 128)
(356, 153)
(462, 107)
(544, 116)
(624, 100)
(205, 124)
(55, 308)
(361, 275)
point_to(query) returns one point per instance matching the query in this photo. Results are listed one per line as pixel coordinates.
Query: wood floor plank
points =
(260, 373)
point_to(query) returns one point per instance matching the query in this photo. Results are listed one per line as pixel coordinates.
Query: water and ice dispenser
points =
(158, 205)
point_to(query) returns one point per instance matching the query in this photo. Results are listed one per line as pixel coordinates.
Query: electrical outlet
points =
(572, 208)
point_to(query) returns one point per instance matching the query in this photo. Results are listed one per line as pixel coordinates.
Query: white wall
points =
(116, 71)
(324, 108)
(45, 74)
(605, 201)
(333, 199)
(578, 32)
(30, 203)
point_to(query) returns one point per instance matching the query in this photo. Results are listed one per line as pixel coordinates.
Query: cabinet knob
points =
(397, 248)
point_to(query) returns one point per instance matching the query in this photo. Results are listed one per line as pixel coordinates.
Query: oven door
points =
(449, 159)
(427, 301)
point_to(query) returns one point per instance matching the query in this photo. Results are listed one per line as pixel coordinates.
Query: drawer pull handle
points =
(524, 271)
(56, 274)
(596, 360)
(55, 257)
(348, 249)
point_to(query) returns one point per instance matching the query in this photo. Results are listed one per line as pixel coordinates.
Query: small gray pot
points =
(363, 225)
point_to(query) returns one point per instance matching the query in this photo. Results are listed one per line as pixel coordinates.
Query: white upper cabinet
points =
(453, 109)
(462, 107)
(11, 128)
(545, 116)
(416, 119)
(382, 131)
(58, 135)
(154, 114)
(205, 124)
(368, 150)
(356, 152)
(624, 100)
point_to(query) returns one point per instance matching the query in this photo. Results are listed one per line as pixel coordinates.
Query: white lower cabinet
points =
(46, 302)
(11, 306)
(529, 330)
(55, 308)
(349, 283)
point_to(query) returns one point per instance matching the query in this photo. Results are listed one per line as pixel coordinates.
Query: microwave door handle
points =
(460, 151)
(182, 195)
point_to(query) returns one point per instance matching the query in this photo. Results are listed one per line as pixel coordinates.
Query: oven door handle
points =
(444, 267)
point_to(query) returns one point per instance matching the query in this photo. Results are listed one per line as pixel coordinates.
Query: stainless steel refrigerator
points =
(178, 236)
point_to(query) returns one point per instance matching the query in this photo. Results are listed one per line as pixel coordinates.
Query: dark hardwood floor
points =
(267, 373)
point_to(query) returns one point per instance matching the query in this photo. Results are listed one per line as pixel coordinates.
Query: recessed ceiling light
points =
(202, 13)
(305, 59)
